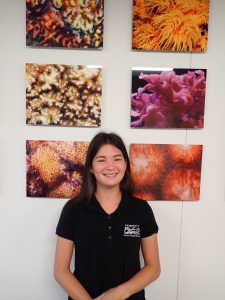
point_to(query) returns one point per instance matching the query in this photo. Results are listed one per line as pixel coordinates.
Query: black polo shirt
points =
(106, 246)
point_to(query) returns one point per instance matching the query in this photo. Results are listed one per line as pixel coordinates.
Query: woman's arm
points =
(145, 276)
(62, 273)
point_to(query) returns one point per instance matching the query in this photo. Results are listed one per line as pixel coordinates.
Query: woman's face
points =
(108, 166)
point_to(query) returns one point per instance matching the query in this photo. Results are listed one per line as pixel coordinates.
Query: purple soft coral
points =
(170, 100)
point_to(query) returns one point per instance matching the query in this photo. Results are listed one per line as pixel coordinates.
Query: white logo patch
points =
(131, 230)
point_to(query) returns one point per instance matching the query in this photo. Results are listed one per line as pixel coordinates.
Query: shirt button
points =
(109, 227)
(109, 217)
(110, 237)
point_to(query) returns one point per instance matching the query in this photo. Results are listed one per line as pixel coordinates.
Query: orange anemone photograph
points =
(170, 25)
(166, 172)
(54, 168)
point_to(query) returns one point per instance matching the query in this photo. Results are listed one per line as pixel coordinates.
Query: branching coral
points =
(170, 100)
(63, 95)
(65, 23)
(173, 25)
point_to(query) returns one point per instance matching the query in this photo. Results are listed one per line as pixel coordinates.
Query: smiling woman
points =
(107, 226)
(108, 167)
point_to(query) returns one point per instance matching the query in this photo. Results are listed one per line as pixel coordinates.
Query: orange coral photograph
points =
(65, 23)
(54, 168)
(170, 25)
(63, 95)
(166, 171)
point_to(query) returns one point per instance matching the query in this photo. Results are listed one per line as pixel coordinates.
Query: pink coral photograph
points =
(63, 95)
(168, 98)
(54, 168)
(170, 25)
(166, 171)
(65, 23)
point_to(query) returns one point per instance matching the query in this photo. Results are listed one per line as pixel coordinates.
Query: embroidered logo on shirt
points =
(131, 230)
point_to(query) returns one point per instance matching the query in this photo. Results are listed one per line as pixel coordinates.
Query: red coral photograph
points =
(170, 25)
(63, 95)
(168, 98)
(166, 172)
(65, 23)
(54, 168)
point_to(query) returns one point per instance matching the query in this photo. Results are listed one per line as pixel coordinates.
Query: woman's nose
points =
(110, 164)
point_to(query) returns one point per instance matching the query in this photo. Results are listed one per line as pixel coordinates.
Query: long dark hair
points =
(88, 186)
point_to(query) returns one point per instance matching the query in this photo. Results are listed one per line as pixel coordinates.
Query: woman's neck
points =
(109, 199)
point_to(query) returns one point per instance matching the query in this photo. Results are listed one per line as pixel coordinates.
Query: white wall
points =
(191, 237)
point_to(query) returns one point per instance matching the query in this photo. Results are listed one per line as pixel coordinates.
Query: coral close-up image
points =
(173, 98)
(55, 168)
(170, 25)
(166, 172)
(65, 23)
(63, 95)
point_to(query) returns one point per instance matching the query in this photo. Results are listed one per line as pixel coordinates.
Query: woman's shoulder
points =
(135, 204)
(137, 201)
(73, 205)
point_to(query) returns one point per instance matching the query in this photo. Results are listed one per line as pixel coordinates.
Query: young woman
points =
(107, 226)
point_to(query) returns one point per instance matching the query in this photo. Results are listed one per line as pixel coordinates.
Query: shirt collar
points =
(94, 205)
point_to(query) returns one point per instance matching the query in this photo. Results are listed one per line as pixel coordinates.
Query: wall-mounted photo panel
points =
(178, 25)
(166, 172)
(65, 23)
(54, 168)
(168, 98)
(63, 95)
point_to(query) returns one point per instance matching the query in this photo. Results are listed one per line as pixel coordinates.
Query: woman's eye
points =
(118, 159)
(100, 160)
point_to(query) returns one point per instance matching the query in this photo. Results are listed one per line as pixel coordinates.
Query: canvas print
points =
(65, 23)
(63, 95)
(168, 98)
(166, 172)
(170, 25)
(54, 168)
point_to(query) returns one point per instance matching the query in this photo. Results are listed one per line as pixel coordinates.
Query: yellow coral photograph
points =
(170, 25)
(54, 168)
(63, 95)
